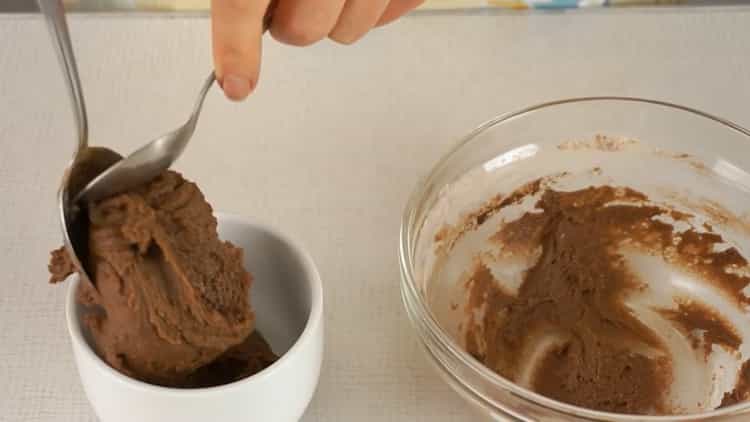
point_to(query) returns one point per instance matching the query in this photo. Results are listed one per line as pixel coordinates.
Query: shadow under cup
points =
(286, 297)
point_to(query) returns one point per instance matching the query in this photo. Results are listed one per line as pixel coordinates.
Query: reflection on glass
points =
(516, 154)
(729, 171)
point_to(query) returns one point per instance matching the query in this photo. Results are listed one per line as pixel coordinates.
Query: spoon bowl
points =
(88, 163)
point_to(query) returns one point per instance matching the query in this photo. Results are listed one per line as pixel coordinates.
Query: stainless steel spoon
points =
(158, 155)
(88, 161)
(147, 162)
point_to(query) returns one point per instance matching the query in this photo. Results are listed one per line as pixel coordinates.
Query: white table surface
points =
(328, 149)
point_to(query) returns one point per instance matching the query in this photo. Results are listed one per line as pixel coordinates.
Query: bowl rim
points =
(411, 291)
(312, 325)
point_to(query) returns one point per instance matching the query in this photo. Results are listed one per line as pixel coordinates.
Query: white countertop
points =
(328, 149)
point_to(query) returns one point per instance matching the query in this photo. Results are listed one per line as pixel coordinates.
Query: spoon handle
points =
(201, 96)
(54, 13)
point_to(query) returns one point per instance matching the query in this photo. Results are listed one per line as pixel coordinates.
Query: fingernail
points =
(236, 88)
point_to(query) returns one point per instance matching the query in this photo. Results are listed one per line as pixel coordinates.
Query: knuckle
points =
(346, 38)
(297, 30)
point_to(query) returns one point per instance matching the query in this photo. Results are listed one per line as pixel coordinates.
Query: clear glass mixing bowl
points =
(510, 145)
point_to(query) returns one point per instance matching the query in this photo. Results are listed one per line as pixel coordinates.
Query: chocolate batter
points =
(692, 318)
(172, 304)
(241, 361)
(603, 357)
(741, 391)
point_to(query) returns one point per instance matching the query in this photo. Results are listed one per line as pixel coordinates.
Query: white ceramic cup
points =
(287, 296)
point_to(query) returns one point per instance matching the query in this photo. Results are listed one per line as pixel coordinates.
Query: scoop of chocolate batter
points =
(171, 297)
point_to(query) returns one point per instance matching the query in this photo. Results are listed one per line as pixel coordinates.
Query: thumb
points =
(237, 31)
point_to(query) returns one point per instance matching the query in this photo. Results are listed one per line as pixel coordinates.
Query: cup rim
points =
(314, 320)
(435, 331)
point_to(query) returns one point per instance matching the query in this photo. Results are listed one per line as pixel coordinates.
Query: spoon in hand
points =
(154, 158)
(147, 162)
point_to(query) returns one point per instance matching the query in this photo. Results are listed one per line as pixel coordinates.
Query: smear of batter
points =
(603, 357)
(741, 391)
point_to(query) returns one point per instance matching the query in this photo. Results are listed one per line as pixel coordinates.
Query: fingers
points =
(356, 19)
(304, 22)
(237, 29)
(396, 9)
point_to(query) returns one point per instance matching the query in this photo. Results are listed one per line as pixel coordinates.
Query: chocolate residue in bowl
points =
(601, 355)
(599, 143)
(446, 237)
(704, 326)
(741, 391)
(718, 214)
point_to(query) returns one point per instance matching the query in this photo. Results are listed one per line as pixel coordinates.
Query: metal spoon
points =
(87, 162)
(147, 162)
(158, 155)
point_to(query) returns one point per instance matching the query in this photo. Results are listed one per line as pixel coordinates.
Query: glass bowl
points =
(680, 150)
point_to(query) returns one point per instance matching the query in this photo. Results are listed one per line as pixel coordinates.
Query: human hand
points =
(238, 25)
